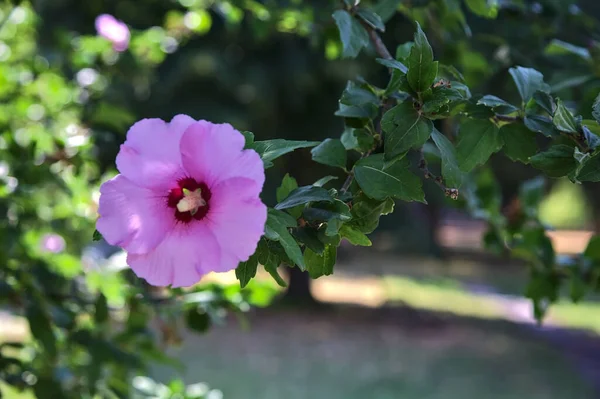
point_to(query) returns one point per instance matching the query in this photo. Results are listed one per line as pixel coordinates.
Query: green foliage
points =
(477, 141)
(422, 70)
(354, 37)
(405, 128)
(330, 152)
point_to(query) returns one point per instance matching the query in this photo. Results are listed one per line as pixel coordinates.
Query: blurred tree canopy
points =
(278, 69)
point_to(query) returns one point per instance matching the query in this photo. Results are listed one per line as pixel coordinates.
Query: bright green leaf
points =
(288, 184)
(354, 236)
(320, 265)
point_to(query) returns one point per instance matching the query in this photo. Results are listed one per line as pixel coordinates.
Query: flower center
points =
(190, 200)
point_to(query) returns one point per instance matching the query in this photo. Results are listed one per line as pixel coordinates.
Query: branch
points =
(449, 192)
(380, 47)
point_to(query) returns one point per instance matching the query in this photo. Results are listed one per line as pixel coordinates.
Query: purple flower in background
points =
(52, 243)
(114, 30)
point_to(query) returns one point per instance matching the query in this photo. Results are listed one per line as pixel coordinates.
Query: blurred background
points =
(426, 312)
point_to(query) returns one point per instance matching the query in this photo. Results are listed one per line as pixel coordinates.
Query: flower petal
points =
(150, 156)
(213, 153)
(132, 217)
(237, 217)
(184, 256)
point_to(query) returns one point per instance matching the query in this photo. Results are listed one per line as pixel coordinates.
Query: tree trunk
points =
(298, 291)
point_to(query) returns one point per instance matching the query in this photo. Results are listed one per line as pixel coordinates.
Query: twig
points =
(380, 47)
(449, 192)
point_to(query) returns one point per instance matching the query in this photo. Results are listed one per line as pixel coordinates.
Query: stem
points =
(380, 47)
(449, 192)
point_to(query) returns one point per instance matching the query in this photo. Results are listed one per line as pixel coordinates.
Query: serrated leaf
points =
(270, 150)
(371, 18)
(366, 212)
(394, 64)
(528, 81)
(478, 139)
(483, 8)
(330, 152)
(557, 161)
(519, 142)
(405, 128)
(310, 238)
(596, 109)
(247, 270)
(539, 124)
(497, 104)
(320, 265)
(563, 120)
(357, 139)
(422, 70)
(354, 236)
(352, 34)
(380, 181)
(303, 195)
(276, 229)
(451, 173)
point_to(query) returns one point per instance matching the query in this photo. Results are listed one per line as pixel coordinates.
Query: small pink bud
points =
(114, 30)
(52, 243)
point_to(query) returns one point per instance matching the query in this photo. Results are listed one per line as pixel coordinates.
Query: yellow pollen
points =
(191, 201)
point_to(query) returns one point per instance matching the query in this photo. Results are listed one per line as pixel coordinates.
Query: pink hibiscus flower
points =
(186, 202)
(114, 30)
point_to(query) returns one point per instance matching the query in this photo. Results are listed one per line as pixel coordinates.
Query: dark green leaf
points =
(320, 265)
(366, 212)
(97, 236)
(393, 64)
(563, 120)
(324, 180)
(405, 128)
(477, 141)
(440, 97)
(274, 272)
(249, 137)
(386, 8)
(270, 150)
(528, 81)
(101, 309)
(309, 237)
(276, 229)
(352, 34)
(519, 142)
(483, 8)
(590, 171)
(539, 124)
(365, 111)
(357, 139)
(596, 109)
(450, 171)
(398, 86)
(371, 18)
(497, 104)
(327, 211)
(422, 70)
(330, 152)
(592, 251)
(354, 94)
(197, 320)
(380, 181)
(303, 195)
(557, 161)
(545, 101)
(246, 270)
(40, 325)
(354, 236)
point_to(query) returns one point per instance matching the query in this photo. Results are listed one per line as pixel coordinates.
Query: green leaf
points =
(352, 34)
(545, 101)
(101, 309)
(483, 8)
(590, 171)
(354, 236)
(354, 94)
(330, 152)
(592, 139)
(197, 320)
(274, 272)
(97, 236)
(386, 8)
(320, 265)
(324, 180)
(477, 141)
(557, 161)
(440, 97)
(451, 173)
(288, 184)
(310, 238)
(403, 51)
(40, 325)
(303, 195)
(246, 270)
(558, 47)
(268, 254)
(519, 142)
(539, 124)
(327, 211)
(371, 18)
(270, 150)
(405, 128)
(393, 64)
(422, 70)
(596, 109)
(563, 120)
(380, 181)
(357, 139)
(276, 229)
(497, 104)
(249, 137)
(592, 250)
(366, 212)
(528, 81)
